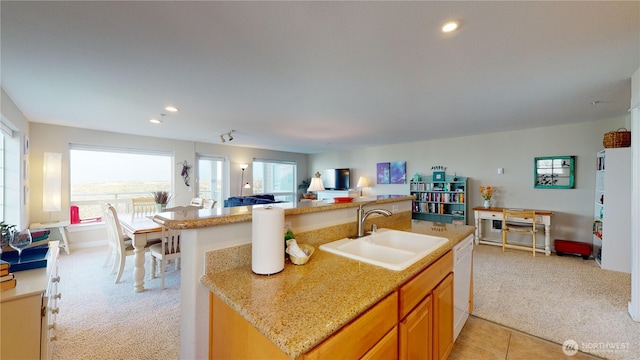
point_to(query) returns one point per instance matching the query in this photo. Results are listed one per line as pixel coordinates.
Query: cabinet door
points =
(20, 328)
(443, 318)
(415, 332)
(355, 339)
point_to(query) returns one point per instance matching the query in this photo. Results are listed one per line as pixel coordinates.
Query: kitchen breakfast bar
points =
(301, 306)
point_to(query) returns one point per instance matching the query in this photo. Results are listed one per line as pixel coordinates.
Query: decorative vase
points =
(160, 207)
(487, 204)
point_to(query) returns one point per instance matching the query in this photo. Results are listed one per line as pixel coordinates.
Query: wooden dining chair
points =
(521, 222)
(144, 206)
(196, 202)
(117, 241)
(113, 245)
(168, 249)
(208, 204)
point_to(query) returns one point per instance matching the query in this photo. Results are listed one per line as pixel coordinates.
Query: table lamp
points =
(362, 182)
(316, 184)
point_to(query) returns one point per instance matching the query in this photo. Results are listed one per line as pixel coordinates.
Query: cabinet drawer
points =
(416, 289)
(356, 338)
(385, 349)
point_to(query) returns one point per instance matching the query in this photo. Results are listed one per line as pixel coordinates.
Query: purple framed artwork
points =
(398, 172)
(383, 173)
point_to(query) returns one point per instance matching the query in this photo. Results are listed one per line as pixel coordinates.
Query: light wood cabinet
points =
(414, 322)
(369, 328)
(386, 348)
(443, 318)
(28, 312)
(426, 332)
(416, 338)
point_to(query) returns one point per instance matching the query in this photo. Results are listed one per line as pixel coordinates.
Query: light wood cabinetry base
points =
(413, 322)
(28, 311)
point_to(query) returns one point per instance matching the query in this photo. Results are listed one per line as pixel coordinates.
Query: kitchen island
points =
(302, 306)
(218, 240)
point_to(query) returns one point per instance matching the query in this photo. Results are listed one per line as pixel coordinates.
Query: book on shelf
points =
(7, 277)
(6, 285)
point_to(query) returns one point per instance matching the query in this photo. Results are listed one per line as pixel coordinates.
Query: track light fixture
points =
(229, 136)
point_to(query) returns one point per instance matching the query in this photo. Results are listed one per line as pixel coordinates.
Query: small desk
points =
(62, 228)
(542, 217)
(140, 230)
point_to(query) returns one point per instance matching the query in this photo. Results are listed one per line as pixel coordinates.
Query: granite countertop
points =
(194, 219)
(303, 305)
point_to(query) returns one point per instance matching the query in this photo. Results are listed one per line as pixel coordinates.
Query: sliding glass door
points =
(211, 174)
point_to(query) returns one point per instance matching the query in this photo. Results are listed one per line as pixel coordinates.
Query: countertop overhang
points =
(301, 306)
(194, 219)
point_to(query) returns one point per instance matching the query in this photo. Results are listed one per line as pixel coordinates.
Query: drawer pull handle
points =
(57, 296)
(56, 279)
(55, 310)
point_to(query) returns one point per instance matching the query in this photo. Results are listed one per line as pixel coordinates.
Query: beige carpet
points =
(102, 320)
(557, 298)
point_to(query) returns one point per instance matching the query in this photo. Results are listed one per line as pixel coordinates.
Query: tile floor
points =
(485, 340)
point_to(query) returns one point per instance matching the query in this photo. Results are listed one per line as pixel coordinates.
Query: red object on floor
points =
(572, 247)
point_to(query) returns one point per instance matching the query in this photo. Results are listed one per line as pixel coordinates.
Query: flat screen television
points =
(335, 179)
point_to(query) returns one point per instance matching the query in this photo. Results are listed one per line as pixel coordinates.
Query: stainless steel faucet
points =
(362, 217)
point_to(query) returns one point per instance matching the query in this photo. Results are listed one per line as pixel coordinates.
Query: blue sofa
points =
(249, 200)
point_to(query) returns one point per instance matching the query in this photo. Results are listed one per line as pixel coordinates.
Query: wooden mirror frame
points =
(554, 172)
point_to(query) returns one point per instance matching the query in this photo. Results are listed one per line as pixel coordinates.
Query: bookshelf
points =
(612, 210)
(440, 200)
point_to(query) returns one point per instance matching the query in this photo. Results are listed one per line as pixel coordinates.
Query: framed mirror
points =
(554, 172)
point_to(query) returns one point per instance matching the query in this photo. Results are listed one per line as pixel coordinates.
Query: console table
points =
(542, 217)
(62, 228)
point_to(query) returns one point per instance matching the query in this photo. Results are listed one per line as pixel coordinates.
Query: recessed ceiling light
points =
(171, 108)
(450, 26)
(155, 121)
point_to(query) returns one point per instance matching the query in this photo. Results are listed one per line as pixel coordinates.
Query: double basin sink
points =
(391, 249)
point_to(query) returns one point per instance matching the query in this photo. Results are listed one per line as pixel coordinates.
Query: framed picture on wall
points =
(383, 173)
(398, 172)
(554, 172)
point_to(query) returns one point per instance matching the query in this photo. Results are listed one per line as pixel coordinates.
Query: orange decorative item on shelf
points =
(342, 199)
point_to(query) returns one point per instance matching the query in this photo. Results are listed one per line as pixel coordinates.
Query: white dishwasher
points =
(462, 253)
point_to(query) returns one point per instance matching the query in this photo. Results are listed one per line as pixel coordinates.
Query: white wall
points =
(478, 157)
(52, 138)
(16, 209)
(634, 304)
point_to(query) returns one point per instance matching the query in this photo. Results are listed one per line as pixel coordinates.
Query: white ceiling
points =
(312, 77)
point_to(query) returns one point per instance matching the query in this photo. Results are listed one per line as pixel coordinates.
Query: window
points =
(211, 172)
(275, 177)
(99, 175)
(2, 176)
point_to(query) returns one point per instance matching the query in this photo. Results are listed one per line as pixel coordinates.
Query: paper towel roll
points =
(267, 240)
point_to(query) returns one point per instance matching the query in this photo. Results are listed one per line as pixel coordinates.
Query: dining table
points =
(140, 229)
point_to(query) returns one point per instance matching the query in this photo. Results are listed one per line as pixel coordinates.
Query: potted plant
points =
(161, 198)
(5, 233)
